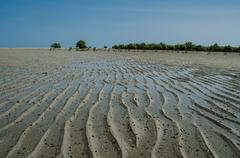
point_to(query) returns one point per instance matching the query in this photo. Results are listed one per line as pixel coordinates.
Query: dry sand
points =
(119, 104)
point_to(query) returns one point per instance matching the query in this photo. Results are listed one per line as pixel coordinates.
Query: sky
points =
(31, 23)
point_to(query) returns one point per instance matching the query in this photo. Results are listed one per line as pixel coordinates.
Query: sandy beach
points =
(119, 104)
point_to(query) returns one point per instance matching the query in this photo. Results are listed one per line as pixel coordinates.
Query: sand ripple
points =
(119, 108)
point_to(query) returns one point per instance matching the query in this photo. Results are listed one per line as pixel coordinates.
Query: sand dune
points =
(117, 104)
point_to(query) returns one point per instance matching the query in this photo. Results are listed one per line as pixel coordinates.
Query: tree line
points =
(188, 46)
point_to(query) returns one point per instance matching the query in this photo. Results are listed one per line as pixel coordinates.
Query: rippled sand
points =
(119, 104)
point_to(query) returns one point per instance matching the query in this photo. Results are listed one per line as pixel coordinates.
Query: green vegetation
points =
(188, 46)
(70, 48)
(81, 44)
(238, 49)
(55, 45)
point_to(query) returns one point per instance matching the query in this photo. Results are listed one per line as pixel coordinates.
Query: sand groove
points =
(112, 106)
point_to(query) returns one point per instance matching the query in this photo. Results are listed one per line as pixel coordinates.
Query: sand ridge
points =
(104, 104)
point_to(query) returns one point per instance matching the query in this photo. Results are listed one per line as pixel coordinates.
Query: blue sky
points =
(29, 23)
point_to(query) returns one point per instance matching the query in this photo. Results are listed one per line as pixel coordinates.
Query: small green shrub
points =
(55, 45)
(81, 44)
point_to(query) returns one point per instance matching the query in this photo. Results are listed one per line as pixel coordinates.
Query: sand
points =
(119, 104)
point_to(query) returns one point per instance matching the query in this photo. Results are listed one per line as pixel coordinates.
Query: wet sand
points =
(119, 104)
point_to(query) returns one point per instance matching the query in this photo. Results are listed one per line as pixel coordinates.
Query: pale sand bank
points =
(119, 104)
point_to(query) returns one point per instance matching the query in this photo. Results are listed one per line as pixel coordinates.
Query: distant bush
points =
(238, 49)
(105, 47)
(55, 45)
(114, 47)
(228, 49)
(200, 48)
(81, 44)
(214, 48)
(188, 46)
(70, 48)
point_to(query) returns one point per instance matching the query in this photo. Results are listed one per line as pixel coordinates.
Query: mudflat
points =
(109, 104)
